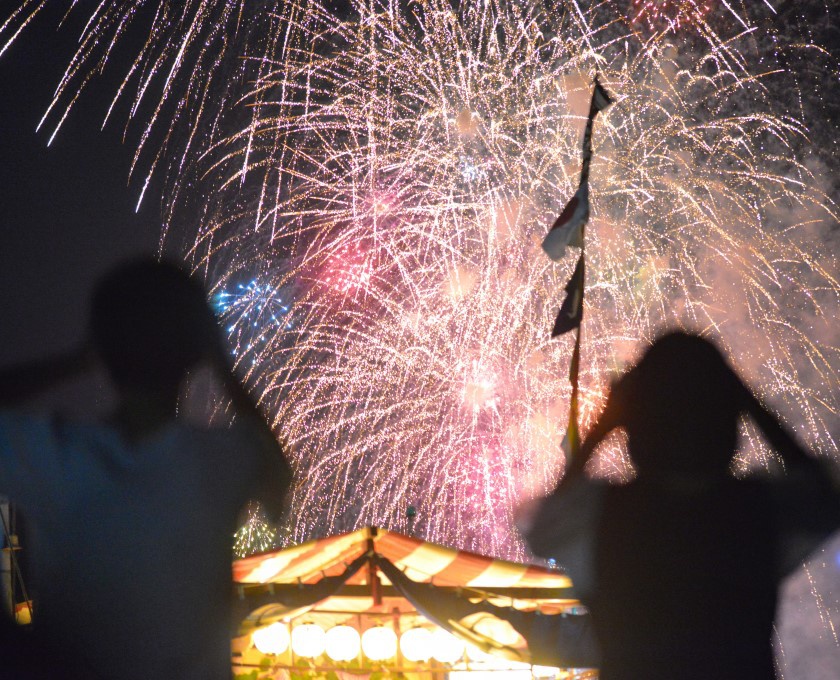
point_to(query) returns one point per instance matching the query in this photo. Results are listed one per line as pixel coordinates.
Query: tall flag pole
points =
(571, 440)
(568, 230)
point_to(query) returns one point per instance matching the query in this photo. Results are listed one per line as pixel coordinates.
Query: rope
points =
(16, 572)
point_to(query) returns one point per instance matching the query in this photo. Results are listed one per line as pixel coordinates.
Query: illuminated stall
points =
(374, 603)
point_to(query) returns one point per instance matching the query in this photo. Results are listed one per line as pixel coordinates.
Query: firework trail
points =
(387, 170)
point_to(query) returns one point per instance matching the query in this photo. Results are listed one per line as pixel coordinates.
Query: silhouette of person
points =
(132, 519)
(680, 567)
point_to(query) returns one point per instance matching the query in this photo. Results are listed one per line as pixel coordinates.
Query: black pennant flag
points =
(600, 99)
(571, 311)
(567, 229)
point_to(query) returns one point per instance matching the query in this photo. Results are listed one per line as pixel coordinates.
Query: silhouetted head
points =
(680, 406)
(150, 323)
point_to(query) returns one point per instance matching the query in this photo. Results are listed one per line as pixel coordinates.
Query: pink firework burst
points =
(349, 270)
(670, 14)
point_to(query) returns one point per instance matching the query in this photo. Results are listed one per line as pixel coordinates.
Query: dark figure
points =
(132, 519)
(681, 566)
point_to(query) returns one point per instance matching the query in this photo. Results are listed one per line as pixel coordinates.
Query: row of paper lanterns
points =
(343, 643)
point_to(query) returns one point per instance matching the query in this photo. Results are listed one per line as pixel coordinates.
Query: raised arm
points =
(807, 495)
(276, 479)
(27, 380)
(606, 422)
(777, 435)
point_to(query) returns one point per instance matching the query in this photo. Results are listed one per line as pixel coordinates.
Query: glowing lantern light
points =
(343, 643)
(273, 639)
(447, 648)
(379, 643)
(308, 640)
(498, 630)
(491, 674)
(477, 654)
(416, 644)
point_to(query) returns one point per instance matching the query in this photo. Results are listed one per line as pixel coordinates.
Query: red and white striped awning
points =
(420, 561)
(497, 605)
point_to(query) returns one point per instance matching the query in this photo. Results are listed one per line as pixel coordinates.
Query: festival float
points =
(374, 603)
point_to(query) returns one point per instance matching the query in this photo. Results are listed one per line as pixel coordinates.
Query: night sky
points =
(67, 211)
(67, 214)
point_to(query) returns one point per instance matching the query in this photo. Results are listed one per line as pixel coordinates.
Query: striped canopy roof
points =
(420, 561)
(499, 606)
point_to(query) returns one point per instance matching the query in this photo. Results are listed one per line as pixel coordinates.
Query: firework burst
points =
(255, 535)
(392, 167)
(418, 156)
(252, 315)
(671, 15)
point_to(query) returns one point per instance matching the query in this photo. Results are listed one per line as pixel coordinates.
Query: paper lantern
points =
(446, 648)
(273, 639)
(499, 630)
(477, 654)
(490, 674)
(308, 640)
(342, 643)
(416, 644)
(379, 643)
